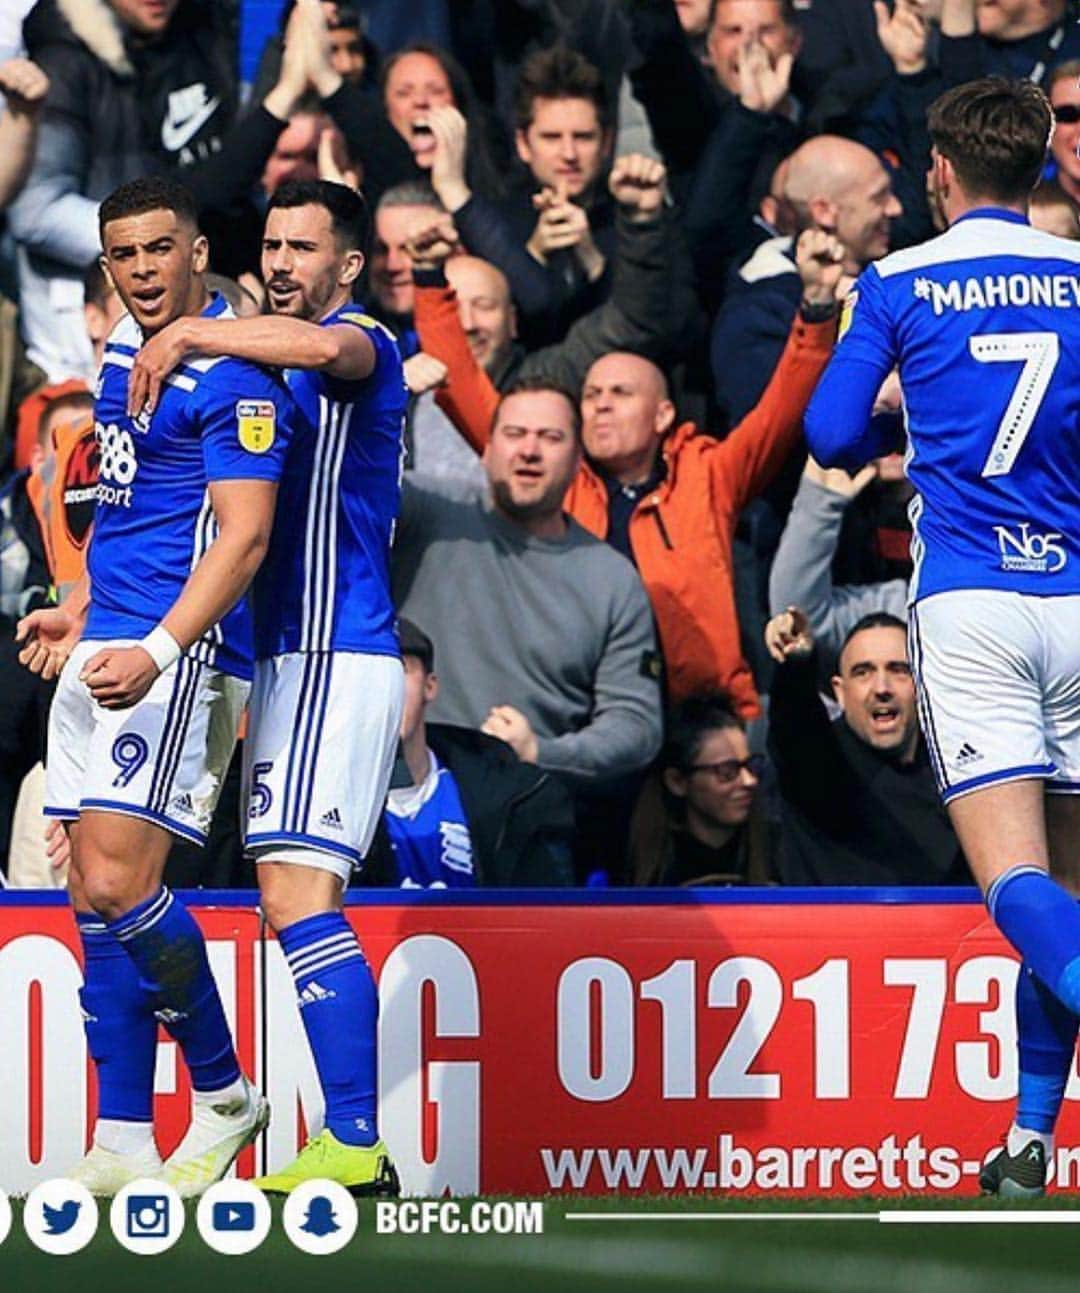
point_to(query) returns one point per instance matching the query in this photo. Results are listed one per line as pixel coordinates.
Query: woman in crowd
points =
(698, 819)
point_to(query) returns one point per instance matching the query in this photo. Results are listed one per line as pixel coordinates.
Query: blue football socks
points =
(1042, 922)
(339, 1007)
(1046, 1036)
(169, 952)
(121, 1031)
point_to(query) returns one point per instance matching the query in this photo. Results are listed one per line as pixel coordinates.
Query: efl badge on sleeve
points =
(847, 310)
(255, 424)
(366, 321)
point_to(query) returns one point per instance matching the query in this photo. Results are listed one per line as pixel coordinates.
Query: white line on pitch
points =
(902, 1218)
(976, 1218)
(720, 1216)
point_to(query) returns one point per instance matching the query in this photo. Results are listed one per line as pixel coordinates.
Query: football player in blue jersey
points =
(329, 684)
(984, 323)
(145, 716)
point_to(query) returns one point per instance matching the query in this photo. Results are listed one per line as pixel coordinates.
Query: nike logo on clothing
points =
(189, 110)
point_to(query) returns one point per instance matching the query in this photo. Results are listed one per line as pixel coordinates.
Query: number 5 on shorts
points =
(261, 794)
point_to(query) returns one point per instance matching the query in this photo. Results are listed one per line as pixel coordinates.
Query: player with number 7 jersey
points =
(984, 325)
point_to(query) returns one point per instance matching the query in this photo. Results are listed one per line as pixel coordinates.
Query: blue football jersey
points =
(432, 848)
(325, 584)
(984, 323)
(217, 419)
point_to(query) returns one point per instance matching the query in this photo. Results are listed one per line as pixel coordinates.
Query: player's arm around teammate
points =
(338, 350)
(326, 703)
(305, 281)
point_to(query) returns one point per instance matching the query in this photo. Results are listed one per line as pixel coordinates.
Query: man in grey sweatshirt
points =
(547, 636)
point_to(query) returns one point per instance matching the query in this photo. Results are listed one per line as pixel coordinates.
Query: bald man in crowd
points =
(830, 183)
(646, 312)
(487, 314)
(660, 492)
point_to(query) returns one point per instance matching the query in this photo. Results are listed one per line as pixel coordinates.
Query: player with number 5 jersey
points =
(329, 684)
(984, 325)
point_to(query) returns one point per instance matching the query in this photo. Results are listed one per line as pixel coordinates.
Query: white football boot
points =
(104, 1172)
(218, 1132)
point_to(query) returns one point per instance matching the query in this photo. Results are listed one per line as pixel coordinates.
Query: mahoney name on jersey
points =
(988, 291)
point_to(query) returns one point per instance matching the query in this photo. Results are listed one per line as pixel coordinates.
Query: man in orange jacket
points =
(666, 495)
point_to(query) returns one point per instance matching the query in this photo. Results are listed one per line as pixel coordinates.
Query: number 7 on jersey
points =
(1038, 352)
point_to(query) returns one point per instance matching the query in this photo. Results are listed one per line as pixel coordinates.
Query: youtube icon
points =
(233, 1217)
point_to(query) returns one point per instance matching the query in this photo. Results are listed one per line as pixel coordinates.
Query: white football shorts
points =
(162, 759)
(322, 735)
(998, 679)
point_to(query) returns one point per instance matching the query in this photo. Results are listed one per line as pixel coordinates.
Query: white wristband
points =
(160, 645)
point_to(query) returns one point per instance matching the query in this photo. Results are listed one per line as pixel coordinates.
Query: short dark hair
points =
(409, 193)
(874, 620)
(415, 642)
(558, 73)
(96, 287)
(537, 382)
(153, 193)
(787, 11)
(347, 19)
(995, 132)
(350, 218)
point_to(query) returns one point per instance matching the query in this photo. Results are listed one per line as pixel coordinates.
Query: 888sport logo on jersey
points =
(118, 464)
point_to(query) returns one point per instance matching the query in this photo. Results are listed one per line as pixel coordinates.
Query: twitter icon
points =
(60, 1217)
(58, 1221)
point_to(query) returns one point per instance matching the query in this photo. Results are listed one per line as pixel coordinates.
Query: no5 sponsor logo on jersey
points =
(1023, 549)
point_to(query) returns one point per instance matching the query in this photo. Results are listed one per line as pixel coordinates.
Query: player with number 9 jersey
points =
(145, 717)
(217, 420)
(327, 698)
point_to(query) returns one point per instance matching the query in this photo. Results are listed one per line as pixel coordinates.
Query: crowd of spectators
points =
(646, 639)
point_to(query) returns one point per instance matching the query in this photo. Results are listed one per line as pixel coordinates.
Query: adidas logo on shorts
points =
(331, 819)
(314, 992)
(967, 755)
(182, 804)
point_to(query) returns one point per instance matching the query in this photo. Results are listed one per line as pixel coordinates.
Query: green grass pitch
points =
(706, 1247)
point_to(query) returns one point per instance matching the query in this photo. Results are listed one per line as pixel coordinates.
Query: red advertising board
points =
(620, 1045)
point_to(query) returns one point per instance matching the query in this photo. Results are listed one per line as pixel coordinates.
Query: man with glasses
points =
(1064, 94)
(860, 804)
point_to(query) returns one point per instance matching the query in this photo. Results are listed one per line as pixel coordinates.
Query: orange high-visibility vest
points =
(63, 491)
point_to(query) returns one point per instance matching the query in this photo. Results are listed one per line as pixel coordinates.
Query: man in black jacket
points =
(859, 801)
(553, 235)
(462, 810)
